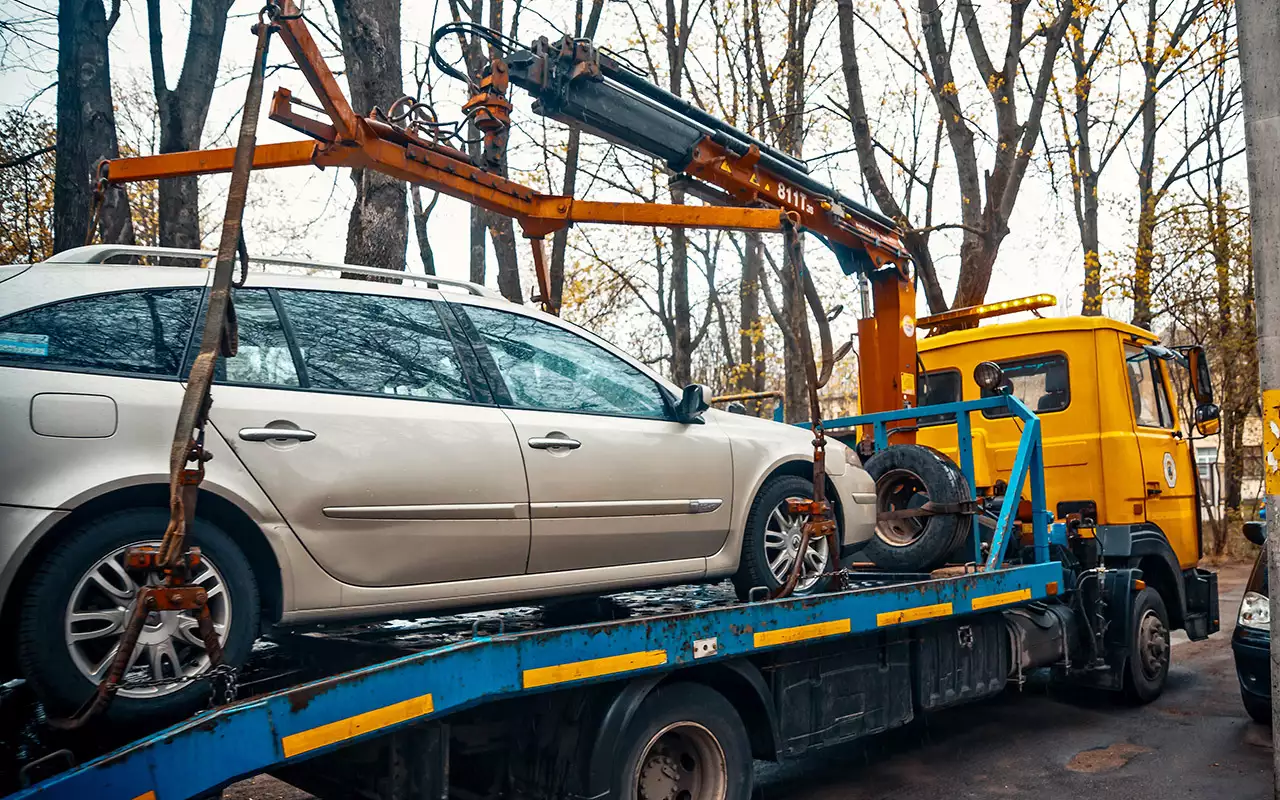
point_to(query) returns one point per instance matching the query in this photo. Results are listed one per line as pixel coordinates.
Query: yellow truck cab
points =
(1116, 456)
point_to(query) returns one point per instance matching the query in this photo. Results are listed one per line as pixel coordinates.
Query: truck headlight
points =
(1255, 612)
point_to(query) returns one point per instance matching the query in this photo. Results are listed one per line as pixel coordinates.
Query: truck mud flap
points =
(959, 662)
(1201, 590)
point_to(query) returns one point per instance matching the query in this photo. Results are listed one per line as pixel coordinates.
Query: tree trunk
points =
(421, 216)
(183, 111)
(750, 372)
(682, 337)
(378, 232)
(795, 398)
(1144, 253)
(86, 126)
(560, 239)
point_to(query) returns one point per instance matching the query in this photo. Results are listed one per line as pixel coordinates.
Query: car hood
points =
(779, 436)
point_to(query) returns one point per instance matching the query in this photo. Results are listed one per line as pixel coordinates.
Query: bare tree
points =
(560, 239)
(183, 110)
(86, 126)
(987, 196)
(378, 232)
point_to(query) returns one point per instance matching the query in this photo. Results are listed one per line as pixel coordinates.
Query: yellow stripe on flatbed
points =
(913, 614)
(801, 632)
(324, 735)
(1002, 599)
(592, 668)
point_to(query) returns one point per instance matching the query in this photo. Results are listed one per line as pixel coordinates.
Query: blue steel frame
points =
(1028, 465)
(218, 747)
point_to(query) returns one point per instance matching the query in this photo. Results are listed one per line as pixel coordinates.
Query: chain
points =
(223, 678)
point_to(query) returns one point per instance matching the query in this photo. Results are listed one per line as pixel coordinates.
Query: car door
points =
(613, 479)
(371, 439)
(1166, 460)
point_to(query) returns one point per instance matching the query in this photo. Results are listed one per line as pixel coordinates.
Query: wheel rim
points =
(169, 647)
(782, 535)
(1153, 644)
(683, 761)
(899, 490)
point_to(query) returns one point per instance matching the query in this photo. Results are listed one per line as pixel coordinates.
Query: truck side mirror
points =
(692, 403)
(1256, 532)
(1207, 419)
(1201, 380)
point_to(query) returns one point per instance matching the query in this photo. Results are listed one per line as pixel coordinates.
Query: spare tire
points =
(907, 476)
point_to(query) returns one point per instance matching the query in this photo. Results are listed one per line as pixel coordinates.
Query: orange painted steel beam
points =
(677, 216)
(204, 162)
(306, 54)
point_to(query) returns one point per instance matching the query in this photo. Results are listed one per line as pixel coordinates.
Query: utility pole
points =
(1258, 24)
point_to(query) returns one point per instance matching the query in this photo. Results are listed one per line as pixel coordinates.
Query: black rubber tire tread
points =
(1138, 689)
(753, 567)
(686, 702)
(45, 660)
(944, 483)
(1258, 708)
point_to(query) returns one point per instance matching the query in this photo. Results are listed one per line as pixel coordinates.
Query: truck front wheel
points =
(1149, 653)
(685, 742)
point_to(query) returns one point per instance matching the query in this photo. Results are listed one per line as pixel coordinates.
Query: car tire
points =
(56, 651)
(765, 536)
(1259, 708)
(686, 740)
(1148, 665)
(907, 476)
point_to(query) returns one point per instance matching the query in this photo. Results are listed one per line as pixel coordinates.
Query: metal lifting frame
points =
(756, 187)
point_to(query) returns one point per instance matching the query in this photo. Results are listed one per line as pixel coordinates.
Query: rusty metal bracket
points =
(932, 509)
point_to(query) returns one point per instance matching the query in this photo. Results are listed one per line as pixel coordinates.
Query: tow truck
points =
(668, 694)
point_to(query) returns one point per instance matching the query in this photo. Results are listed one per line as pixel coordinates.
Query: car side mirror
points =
(1201, 379)
(1207, 419)
(736, 407)
(692, 403)
(1256, 532)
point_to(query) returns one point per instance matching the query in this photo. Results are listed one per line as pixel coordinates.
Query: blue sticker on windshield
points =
(24, 344)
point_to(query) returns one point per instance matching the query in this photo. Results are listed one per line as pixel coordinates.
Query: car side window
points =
(263, 356)
(137, 332)
(374, 344)
(1146, 388)
(548, 368)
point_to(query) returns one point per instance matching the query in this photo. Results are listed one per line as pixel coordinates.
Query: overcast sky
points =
(304, 211)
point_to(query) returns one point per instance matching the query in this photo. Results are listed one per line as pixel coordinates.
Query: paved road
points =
(1195, 742)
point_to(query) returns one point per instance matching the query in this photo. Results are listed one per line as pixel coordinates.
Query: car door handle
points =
(552, 442)
(267, 434)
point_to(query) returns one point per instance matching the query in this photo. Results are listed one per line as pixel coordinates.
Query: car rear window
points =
(140, 332)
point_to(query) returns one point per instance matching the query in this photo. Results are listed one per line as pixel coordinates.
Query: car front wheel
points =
(771, 542)
(79, 603)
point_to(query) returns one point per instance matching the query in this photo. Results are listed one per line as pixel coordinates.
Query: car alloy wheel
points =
(782, 534)
(169, 650)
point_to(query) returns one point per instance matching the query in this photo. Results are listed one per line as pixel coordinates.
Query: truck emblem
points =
(1170, 470)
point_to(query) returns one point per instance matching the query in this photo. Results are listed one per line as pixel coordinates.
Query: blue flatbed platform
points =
(217, 747)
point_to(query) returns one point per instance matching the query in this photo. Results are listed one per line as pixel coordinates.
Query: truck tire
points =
(908, 476)
(77, 603)
(685, 741)
(771, 538)
(1149, 650)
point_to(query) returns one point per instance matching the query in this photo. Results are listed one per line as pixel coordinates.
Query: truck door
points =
(1166, 461)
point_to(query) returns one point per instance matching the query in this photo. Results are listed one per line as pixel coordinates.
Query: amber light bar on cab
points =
(975, 313)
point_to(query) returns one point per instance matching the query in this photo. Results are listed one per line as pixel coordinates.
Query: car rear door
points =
(613, 480)
(360, 419)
